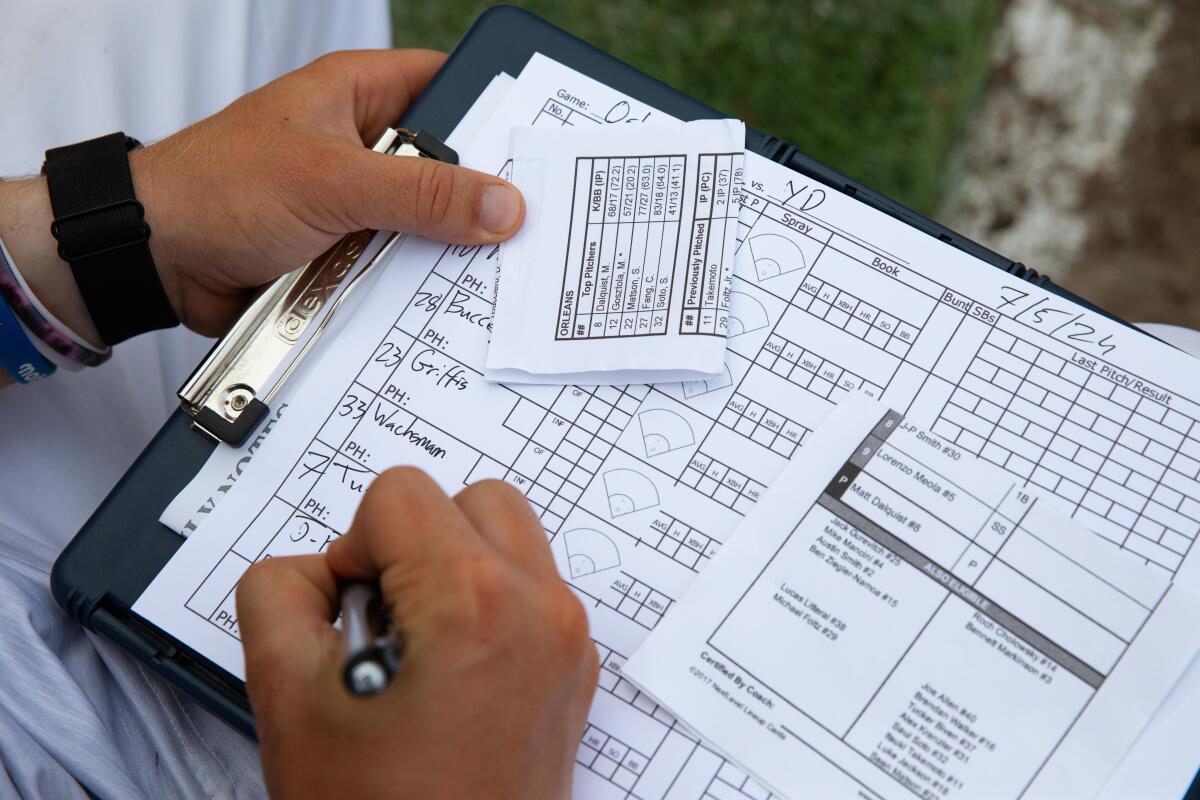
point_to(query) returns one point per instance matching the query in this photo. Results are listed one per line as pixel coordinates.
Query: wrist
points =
(145, 166)
(25, 217)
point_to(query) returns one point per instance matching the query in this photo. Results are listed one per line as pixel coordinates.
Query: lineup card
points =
(624, 267)
(899, 621)
(640, 486)
(422, 370)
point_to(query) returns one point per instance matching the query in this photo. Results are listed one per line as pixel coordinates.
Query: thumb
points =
(286, 607)
(430, 198)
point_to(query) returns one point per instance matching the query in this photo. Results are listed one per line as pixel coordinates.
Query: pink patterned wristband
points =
(70, 349)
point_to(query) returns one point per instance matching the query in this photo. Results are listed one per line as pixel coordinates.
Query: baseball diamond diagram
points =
(589, 551)
(663, 431)
(628, 491)
(774, 255)
(746, 314)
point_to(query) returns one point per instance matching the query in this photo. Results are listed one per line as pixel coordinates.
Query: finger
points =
(385, 83)
(504, 518)
(429, 198)
(285, 608)
(404, 522)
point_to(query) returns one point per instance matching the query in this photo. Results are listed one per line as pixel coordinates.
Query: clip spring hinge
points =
(229, 392)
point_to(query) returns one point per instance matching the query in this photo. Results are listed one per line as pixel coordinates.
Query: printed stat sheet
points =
(898, 619)
(639, 486)
(625, 262)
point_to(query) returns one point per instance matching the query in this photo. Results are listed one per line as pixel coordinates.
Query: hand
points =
(271, 181)
(492, 697)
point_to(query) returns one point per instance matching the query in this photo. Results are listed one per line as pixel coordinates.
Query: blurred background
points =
(1061, 133)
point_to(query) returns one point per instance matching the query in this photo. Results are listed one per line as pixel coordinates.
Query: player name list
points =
(627, 240)
(709, 277)
(620, 265)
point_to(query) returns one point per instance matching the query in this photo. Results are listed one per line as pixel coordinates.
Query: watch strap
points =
(102, 233)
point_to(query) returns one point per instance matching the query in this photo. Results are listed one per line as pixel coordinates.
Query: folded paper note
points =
(624, 267)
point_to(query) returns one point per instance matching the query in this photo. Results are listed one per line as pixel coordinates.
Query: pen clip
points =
(230, 391)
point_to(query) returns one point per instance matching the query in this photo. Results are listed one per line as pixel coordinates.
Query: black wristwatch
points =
(102, 233)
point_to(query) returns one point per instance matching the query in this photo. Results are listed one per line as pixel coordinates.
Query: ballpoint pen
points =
(373, 650)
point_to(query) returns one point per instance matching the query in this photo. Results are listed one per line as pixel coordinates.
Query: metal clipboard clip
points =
(229, 392)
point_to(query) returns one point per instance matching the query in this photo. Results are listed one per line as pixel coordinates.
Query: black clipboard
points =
(119, 550)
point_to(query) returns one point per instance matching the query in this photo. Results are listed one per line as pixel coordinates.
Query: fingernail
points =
(501, 207)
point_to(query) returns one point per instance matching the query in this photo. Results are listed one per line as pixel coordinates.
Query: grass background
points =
(879, 89)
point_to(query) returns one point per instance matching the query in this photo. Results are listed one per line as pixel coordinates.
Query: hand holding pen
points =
(498, 669)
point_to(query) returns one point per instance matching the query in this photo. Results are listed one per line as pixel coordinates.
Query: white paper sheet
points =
(220, 472)
(896, 618)
(1162, 763)
(624, 265)
(639, 486)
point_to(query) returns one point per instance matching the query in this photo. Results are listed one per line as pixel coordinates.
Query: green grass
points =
(879, 89)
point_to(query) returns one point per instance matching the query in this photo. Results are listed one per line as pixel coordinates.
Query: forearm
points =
(274, 179)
